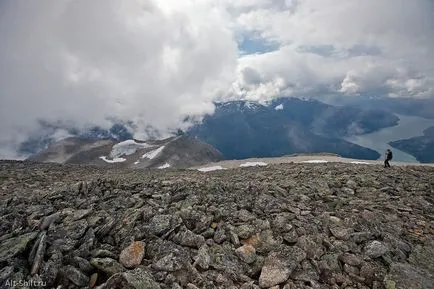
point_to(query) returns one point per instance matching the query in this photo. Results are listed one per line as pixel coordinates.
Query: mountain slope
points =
(289, 125)
(421, 147)
(182, 151)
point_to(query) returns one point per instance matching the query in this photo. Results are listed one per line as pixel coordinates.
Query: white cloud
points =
(349, 85)
(154, 62)
(344, 46)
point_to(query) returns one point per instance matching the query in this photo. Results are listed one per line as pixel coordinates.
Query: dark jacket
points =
(389, 155)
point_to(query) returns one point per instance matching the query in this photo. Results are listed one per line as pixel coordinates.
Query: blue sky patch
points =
(253, 44)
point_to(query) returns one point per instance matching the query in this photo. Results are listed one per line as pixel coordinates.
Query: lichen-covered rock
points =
(282, 226)
(312, 249)
(5, 273)
(188, 238)
(169, 263)
(37, 254)
(220, 235)
(47, 221)
(160, 224)
(245, 231)
(73, 230)
(135, 279)
(75, 276)
(350, 259)
(62, 245)
(83, 264)
(407, 276)
(279, 265)
(423, 256)
(203, 259)
(375, 249)
(13, 246)
(107, 265)
(50, 269)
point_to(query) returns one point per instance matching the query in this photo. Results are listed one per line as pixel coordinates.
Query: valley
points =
(407, 127)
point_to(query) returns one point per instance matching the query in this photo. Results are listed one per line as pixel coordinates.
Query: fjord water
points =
(408, 127)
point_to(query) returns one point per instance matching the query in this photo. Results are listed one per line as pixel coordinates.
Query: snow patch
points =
(165, 166)
(136, 163)
(152, 154)
(252, 105)
(210, 169)
(315, 161)
(112, 161)
(361, 163)
(253, 164)
(279, 107)
(127, 148)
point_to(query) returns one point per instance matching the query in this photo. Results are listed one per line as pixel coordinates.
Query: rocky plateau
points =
(284, 226)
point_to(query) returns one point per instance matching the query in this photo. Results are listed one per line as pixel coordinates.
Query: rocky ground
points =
(288, 226)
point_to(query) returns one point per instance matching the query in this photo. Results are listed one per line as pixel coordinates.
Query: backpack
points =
(389, 155)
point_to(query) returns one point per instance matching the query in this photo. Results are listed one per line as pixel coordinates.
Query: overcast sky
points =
(153, 62)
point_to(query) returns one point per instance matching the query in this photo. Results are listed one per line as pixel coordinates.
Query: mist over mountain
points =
(174, 152)
(50, 134)
(243, 129)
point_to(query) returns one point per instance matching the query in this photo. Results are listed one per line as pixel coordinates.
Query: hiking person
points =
(389, 157)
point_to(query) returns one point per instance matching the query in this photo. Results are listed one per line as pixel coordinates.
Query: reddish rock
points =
(132, 255)
(93, 279)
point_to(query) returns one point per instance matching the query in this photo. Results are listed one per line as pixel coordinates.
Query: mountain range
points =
(241, 129)
(238, 130)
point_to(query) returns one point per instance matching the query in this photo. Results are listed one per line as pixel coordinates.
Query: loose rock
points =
(375, 249)
(132, 255)
(289, 226)
(279, 265)
(107, 265)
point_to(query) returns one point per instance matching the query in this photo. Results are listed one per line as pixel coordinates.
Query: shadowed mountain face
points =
(178, 152)
(421, 147)
(242, 129)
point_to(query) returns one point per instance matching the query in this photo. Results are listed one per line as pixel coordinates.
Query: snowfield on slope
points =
(165, 166)
(253, 164)
(210, 169)
(152, 154)
(127, 148)
(113, 161)
(279, 107)
(315, 161)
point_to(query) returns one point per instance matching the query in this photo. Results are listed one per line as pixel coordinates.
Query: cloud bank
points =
(84, 63)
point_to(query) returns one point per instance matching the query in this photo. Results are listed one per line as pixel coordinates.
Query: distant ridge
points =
(173, 152)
